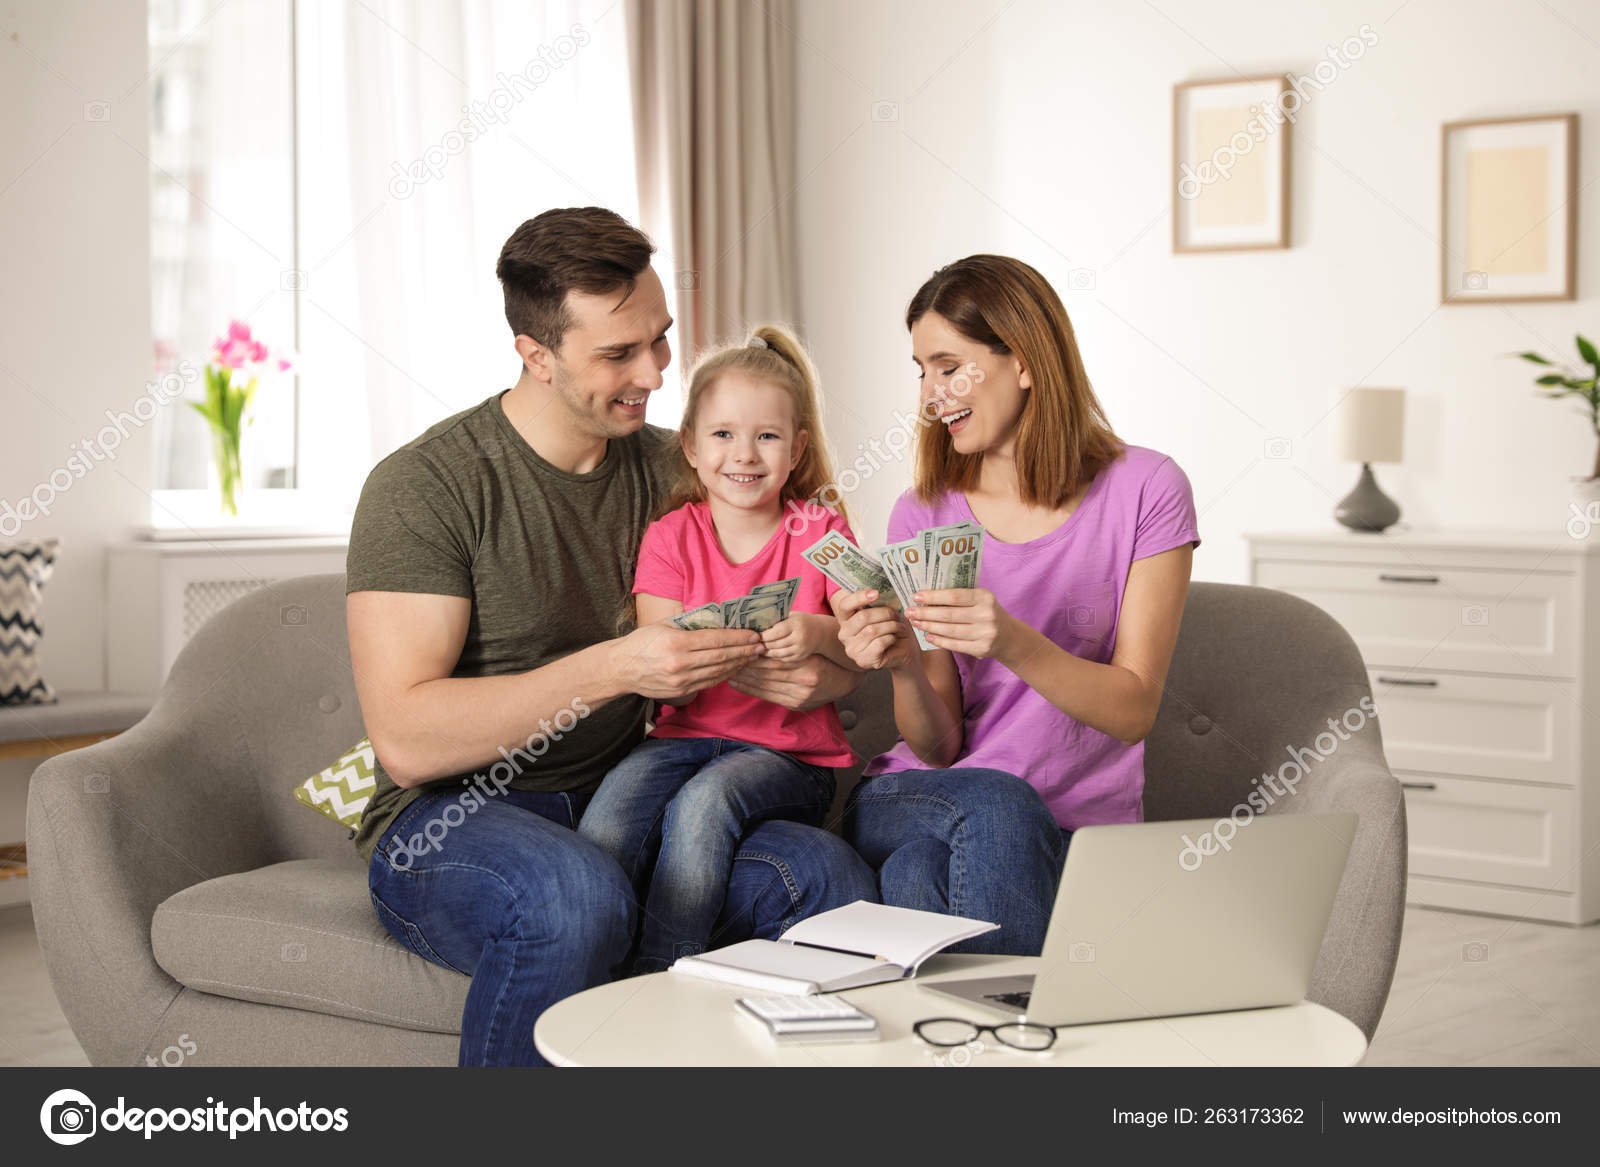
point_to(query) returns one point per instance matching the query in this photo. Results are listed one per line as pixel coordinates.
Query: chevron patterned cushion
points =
(24, 570)
(342, 790)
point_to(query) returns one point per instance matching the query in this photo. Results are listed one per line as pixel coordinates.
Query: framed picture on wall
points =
(1510, 210)
(1230, 165)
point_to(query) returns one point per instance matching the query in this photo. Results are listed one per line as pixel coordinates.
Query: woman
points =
(1027, 720)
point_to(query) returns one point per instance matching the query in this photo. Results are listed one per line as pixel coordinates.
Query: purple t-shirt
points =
(1068, 584)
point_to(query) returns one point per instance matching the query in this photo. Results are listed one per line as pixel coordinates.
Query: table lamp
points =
(1371, 429)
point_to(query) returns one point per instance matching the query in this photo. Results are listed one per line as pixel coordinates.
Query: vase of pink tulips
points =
(237, 361)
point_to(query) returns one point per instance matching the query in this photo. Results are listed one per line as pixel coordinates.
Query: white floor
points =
(1468, 991)
(1485, 991)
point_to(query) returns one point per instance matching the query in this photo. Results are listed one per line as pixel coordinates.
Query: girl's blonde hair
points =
(771, 353)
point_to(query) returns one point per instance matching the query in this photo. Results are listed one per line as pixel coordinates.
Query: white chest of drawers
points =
(1484, 654)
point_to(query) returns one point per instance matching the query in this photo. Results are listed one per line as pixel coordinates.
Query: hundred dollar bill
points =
(955, 552)
(850, 567)
(904, 564)
(785, 589)
(761, 612)
(698, 619)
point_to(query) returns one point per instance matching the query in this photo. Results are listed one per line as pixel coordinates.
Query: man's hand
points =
(873, 635)
(667, 664)
(803, 685)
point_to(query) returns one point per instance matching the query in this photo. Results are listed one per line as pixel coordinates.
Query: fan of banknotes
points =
(938, 557)
(765, 605)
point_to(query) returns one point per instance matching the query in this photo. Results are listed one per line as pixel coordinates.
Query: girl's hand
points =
(797, 637)
(873, 636)
(965, 620)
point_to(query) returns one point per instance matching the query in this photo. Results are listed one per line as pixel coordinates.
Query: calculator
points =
(813, 1017)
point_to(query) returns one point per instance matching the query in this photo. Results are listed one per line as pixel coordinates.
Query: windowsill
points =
(263, 514)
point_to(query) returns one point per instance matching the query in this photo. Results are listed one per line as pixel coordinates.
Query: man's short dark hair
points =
(583, 249)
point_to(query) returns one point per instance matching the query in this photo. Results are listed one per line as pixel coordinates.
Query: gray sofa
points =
(190, 910)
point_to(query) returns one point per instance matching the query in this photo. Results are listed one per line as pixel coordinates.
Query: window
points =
(342, 176)
(221, 209)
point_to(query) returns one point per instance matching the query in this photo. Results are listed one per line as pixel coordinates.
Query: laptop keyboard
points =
(1011, 1000)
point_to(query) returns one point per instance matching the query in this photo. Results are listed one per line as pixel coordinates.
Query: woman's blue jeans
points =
(966, 842)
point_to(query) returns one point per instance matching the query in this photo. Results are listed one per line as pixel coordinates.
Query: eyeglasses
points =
(953, 1031)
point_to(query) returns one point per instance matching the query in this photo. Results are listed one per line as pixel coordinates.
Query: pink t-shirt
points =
(681, 559)
(1068, 584)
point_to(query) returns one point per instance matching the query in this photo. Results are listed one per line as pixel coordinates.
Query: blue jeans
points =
(516, 899)
(671, 814)
(967, 842)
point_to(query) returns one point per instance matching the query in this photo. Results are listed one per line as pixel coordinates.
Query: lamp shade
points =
(1372, 425)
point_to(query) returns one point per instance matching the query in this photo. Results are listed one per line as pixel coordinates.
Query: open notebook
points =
(858, 944)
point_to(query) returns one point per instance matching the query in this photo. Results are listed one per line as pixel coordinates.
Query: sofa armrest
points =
(1355, 966)
(113, 830)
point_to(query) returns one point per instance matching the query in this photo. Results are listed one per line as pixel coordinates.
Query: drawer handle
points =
(1387, 577)
(1414, 682)
(1419, 786)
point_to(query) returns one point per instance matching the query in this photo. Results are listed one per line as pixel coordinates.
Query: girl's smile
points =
(745, 443)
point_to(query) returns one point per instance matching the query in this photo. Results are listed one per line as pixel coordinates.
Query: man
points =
(489, 573)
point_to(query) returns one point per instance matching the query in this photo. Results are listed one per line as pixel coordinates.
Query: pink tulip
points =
(239, 349)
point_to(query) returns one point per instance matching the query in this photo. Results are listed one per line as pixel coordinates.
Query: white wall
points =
(75, 301)
(1045, 132)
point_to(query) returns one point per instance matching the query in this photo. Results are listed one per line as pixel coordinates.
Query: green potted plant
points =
(1584, 385)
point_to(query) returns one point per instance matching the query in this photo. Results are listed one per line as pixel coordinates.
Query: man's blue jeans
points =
(533, 912)
(672, 813)
(967, 842)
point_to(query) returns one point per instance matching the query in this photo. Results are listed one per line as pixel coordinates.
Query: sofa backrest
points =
(1255, 675)
(266, 695)
(1251, 672)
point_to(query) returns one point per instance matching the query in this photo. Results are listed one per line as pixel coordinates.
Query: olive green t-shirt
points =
(546, 557)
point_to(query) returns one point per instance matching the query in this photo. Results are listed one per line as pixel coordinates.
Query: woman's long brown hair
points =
(1063, 437)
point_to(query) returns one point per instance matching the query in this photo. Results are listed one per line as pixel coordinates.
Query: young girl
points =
(717, 762)
(1027, 719)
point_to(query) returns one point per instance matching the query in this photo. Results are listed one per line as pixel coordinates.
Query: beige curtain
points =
(714, 111)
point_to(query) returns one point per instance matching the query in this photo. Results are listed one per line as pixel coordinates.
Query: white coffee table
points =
(671, 1020)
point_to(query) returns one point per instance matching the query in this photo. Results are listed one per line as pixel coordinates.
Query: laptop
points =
(1167, 918)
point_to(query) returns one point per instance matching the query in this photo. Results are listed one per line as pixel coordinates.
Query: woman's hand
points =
(964, 620)
(873, 635)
